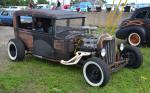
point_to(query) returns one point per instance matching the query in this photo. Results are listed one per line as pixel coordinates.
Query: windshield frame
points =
(68, 22)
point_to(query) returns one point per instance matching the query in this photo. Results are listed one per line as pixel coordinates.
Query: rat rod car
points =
(136, 29)
(61, 36)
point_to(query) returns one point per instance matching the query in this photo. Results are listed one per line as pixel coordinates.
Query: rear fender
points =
(123, 33)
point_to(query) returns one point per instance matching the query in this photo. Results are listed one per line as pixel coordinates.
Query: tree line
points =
(19, 2)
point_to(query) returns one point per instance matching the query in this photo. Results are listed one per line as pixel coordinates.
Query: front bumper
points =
(118, 65)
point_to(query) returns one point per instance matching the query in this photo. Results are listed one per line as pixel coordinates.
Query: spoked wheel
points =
(134, 56)
(96, 72)
(16, 49)
(134, 39)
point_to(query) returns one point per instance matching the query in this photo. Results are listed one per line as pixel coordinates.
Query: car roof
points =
(5, 10)
(47, 13)
(139, 10)
(143, 8)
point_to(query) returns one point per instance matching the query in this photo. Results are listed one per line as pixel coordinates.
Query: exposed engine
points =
(85, 40)
(89, 44)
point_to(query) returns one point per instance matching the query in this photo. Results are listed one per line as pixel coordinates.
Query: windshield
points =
(71, 22)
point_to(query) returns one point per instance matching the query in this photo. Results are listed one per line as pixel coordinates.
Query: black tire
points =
(16, 50)
(96, 72)
(134, 55)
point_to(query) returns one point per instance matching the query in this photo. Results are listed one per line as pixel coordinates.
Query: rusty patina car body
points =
(136, 29)
(53, 35)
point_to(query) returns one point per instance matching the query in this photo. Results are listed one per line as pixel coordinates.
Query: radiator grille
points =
(110, 51)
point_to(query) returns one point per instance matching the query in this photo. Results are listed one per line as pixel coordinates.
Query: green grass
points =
(40, 76)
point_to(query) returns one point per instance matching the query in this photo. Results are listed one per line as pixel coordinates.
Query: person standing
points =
(31, 4)
(58, 5)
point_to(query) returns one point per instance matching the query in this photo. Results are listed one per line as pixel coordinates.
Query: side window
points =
(141, 15)
(25, 22)
(5, 13)
(44, 25)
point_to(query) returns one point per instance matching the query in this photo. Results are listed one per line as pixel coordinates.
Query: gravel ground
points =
(6, 33)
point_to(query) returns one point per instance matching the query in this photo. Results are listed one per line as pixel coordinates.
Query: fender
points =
(124, 32)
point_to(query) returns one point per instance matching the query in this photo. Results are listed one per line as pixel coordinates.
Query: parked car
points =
(6, 17)
(110, 7)
(85, 6)
(74, 7)
(136, 29)
(14, 7)
(60, 36)
(42, 6)
(82, 7)
(66, 6)
(96, 8)
(137, 6)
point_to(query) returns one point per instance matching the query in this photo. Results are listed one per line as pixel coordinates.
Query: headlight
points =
(121, 47)
(103, 52)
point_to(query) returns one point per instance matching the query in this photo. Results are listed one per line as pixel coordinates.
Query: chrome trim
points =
(110, 51)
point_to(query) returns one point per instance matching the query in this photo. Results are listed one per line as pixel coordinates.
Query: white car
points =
(14, 7)
(42, 6)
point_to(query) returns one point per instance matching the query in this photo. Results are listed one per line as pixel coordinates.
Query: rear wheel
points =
(16, 50)
(134, 39)
(96, 72)
(134, 55)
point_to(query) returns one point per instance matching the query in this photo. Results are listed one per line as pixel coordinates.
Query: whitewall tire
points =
(96, 72)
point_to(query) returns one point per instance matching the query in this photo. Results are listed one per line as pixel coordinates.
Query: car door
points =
(6, 18)
(24, 29)
(43, 39)
(147, 21)
(147, 25)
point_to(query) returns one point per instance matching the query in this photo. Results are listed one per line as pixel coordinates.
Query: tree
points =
(42, 1)
(6, 2)
(1, 2)
(24, 2)
(15, 2)
(104, 1)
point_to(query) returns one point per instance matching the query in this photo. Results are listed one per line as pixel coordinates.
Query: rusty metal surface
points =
(59, 45)
(62, 46)
(132, 22)
(56, 14)
(103, 37)
(27, 38)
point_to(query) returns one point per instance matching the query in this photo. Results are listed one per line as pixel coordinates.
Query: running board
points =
(76, 58)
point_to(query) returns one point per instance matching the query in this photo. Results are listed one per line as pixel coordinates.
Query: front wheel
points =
(96, 72)
(134, 56)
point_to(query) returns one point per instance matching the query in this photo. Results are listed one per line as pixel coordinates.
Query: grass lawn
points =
(39, 76)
